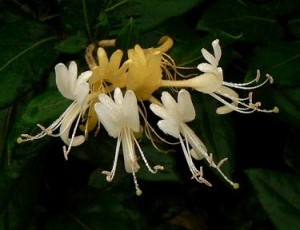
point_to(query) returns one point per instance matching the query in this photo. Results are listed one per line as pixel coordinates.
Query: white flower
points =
(76, 89)
(211, 82)
(120, 118)
(174, 117)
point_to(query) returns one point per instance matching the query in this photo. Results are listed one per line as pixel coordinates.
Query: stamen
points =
(156, 167)
(245, 86)
(110, 175)
(138, 191)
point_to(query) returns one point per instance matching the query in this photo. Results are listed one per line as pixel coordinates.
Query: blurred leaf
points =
(236, 18)
(5, 116)
(81, 16)
(287, 100)
(155, 157)
(128, 36)
(281, 61)
(291, 152)
(25, 56)
(278, 194)
(294, 26)
(216, 131)
(19, 197)
(94, 209)
(45, 107)
(73, 44)
(148, 14)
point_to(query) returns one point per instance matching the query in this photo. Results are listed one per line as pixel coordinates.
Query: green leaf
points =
(253, 22)
(278, 194)
(294, 26)
(26, 54)
(45, 107)
(149, 14)
(155, 157)
(18, 198)
(128, 36)
(287, 102)
(73, 44)
(281, 61)
(291, 151)
(94, 209)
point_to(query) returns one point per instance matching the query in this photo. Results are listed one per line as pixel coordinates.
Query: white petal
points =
(217, 50)
(84, 77)
(206, 68)
(170, 105)
(72, 75)
(160, 111)
(169, 127)
(106, 117)
(186, 106)
(81, 93)
(118, 96)
(131, 111)
(62, 80)
(208, 56)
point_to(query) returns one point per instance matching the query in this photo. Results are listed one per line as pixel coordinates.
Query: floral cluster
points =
(111, 93)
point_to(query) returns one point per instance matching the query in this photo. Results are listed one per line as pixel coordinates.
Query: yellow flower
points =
(145, 72)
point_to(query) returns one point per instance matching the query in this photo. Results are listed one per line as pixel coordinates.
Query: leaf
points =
(278, 194)
(287, 102)
(291, 151)
(94, 209)
(73, 44)
(19, 197)
(252, 22)
(128, 36)
(42, 109)
(149, 14)
(155, 157)
(294, 26)
(45, 107)
(280, 60)
(26, 54)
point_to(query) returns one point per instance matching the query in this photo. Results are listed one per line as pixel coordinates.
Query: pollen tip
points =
(236, 185)
(275, 109)
(20, 140)
(138, 192)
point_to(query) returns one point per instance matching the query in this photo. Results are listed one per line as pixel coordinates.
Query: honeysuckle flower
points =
(174, 116)
(211, 82)
(108, 73)
(72, 87)
(146, 70)
(120, 118)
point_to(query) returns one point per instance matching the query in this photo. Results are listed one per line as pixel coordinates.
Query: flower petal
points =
(131, 111)
(169, 127)
(160, 111)
(171, 105)
(62, 80)
(108, 119)
(186, 106)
